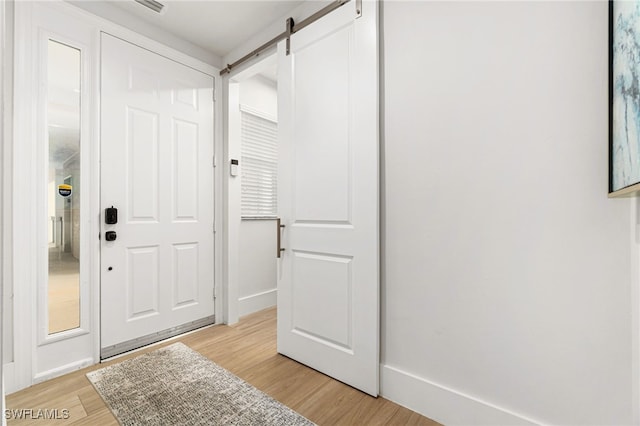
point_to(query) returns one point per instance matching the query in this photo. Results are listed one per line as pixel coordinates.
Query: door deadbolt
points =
(110, 235)
(111, 216)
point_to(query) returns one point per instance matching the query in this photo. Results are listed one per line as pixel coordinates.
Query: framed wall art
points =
(624, 98)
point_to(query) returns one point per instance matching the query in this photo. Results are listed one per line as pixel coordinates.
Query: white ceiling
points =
(214, 25)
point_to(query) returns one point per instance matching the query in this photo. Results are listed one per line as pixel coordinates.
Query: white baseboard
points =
(9, 378)
(59, 371)
(442, 404)
(256, 302)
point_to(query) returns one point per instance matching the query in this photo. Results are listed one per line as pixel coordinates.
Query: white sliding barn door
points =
(328, 277)
(157, 277)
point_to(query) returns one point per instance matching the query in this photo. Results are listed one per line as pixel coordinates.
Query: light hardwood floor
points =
(247, 349)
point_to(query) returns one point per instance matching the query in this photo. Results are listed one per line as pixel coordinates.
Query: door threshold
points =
(112, 352)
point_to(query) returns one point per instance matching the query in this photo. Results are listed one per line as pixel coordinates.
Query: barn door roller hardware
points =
(152, 4)
(290, 24)
(292, 28)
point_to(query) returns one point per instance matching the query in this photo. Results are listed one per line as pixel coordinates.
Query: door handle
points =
(279, 226)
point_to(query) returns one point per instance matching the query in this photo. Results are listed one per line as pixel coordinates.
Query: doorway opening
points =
(253, 138)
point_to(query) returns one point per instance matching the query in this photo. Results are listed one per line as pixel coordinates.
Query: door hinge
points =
(358, 8)
(214, 227)
(214, 95)
(214, 162)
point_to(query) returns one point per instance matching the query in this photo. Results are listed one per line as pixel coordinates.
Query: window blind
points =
(259, 165)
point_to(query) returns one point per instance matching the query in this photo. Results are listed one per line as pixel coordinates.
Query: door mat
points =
(175, 385)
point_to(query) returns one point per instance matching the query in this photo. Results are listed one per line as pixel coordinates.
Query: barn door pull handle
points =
(279, 226)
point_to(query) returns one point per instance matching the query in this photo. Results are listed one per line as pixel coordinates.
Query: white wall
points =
(257, 261)
(261, 94)
(257, 279)
(507, 271)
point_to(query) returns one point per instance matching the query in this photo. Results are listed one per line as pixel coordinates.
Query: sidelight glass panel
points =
(64, 180)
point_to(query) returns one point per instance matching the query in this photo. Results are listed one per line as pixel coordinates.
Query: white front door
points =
(157, 276)
(328, 277)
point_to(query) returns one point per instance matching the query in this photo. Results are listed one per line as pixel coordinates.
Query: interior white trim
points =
(218, 208)
(3, 38)
(443, 404)
(23, 209)
(258, 113)
(232, 200)
(34, 23)
(59, 371)
(45, 339)
(257, 302)
(90, 186)
(231, 148)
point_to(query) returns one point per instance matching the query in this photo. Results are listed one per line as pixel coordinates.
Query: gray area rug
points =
(175, 385)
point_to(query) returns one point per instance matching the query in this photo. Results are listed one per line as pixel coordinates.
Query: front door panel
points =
(157, 171)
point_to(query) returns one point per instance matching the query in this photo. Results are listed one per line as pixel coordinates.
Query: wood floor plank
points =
(99, 418)
(57, 410)
(247, 349)
(90, 399)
